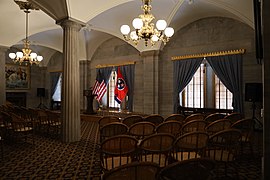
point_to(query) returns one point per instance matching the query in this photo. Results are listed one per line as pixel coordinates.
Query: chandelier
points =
(144, 28)
(26, 56)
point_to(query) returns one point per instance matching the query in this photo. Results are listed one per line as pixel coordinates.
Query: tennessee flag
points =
(121, 88)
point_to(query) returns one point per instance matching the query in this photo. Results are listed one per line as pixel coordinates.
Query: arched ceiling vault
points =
(106, 17)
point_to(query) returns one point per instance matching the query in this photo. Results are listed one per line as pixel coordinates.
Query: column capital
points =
(70, 22)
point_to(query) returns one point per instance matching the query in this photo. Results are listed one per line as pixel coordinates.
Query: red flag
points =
(121, 87)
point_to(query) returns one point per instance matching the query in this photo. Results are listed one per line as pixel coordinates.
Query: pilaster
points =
(150, 82)
(2, 75)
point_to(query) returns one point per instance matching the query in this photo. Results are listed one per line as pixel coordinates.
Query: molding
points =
(210, 54)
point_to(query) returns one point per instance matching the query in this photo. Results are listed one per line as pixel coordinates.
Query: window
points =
(111, 87)
(223, 96)
(206, 90)
(57, 94)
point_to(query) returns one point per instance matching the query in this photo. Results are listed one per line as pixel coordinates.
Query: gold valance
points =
(113, 65)
(203, 55)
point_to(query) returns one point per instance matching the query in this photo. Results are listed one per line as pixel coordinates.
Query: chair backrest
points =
(177, 117)
(193, 125)
(107, 119)
(192, 169)
(112, 129)
(156, 148)
(172, 126)
(217, 126)
(133, 171)
(154, 118)
(246, 128)
(117, 150)
(190, 145)
(194, 117)
(213, 117)
(142, 129)
(224, 145)
(234, 117)
(129, 120)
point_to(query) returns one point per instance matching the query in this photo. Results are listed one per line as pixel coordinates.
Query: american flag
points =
(100, 87)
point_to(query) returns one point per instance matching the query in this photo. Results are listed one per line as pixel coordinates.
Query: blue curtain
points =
(229, 70)
(183, 71)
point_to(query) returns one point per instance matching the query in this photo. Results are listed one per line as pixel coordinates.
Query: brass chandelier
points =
(145, 29)
(26, 56)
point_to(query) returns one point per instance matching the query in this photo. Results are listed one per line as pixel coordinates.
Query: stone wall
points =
(202, 36)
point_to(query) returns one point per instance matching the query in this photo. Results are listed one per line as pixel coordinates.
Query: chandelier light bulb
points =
(133, 35)
(33, 55)
(125, 29)
(154, 38)
(19, 54)
(137, 23)
(169, 31)
(12, 55)
(39, 58)
(161, 24)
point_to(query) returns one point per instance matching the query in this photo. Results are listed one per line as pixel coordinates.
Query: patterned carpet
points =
(49, 158)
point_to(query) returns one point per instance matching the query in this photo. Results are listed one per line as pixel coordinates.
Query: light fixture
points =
(145, 29)
(26, 56)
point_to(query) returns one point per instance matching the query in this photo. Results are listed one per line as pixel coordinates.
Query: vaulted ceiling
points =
(103, 18)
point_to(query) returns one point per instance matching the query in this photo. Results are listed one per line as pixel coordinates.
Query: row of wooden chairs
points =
(158, 119)
(143, 129)
(30, 121)
(164, 148)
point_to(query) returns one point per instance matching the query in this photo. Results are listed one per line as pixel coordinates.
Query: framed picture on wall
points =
(17, 77)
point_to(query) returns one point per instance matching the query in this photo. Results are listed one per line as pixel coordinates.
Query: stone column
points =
(266, 94)
(150, 82)
(2, 75)
(71, 82)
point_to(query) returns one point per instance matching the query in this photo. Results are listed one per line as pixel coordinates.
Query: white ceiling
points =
(103, 18)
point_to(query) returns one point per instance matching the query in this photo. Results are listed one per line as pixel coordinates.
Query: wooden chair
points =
(129, 120)
(107, 119)
(21, 128)
(177, 117)
(156, 148)
(194, 117)
(193, 125)
(133, 171)
(172, 127)
(141, 130)
(217, 126)
(224, 146)
(117, 150)
(112, 129)
(154, 118)
(213, 117)
(234, 117)
(190, 145)
(55, 122)
(43, 125)
(192, 169)
(246, 128)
